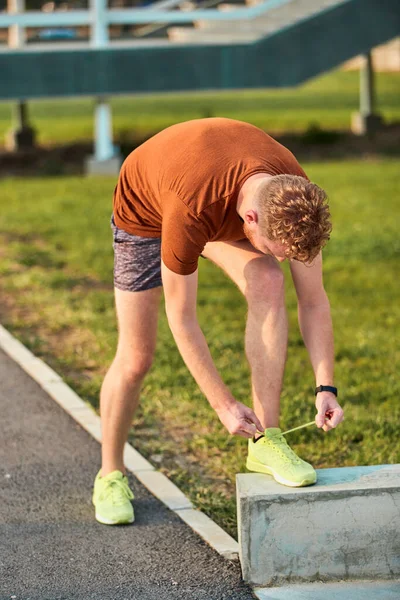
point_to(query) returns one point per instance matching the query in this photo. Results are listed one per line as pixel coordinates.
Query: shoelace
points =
(299, 427)
(283, 448)
(119, 492)
(281, 445)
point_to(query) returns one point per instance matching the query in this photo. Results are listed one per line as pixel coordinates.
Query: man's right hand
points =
(239, 419)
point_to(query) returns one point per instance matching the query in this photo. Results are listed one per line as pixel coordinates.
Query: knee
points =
(265, 285)
(134, 367)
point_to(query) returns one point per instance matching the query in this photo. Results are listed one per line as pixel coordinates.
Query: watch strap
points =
(326, 388)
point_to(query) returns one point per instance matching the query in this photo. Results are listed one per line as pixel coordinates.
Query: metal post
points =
(22, 115)
(16, 33)
(22, 136)
(366, 121)
(107, 159)
(367, 86)
(99, 27)
(104, 149)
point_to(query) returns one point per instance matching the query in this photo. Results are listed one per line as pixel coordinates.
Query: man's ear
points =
(251, 217)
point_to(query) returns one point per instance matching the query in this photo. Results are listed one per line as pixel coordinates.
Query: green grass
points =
(56, 285)
(328, 100)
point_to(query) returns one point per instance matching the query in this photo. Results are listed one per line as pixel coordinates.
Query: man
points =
(225, 190)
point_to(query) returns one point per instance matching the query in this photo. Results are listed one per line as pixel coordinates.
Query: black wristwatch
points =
(326, 388)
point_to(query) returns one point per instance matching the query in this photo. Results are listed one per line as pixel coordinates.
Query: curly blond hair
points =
(294, 211)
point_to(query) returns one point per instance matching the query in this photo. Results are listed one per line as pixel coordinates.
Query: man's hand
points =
(239, 419)
(328, 407)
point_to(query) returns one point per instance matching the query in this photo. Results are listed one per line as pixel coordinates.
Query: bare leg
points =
(119, 397)
(266, 347)
(261, 281)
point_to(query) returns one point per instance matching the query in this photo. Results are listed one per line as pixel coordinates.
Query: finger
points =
(329, 424)
(324, 423)
(321, 419)
(246, 429)
(243, 434)
(252, 417)
(258, 425)
(336, 418)
(249, 428)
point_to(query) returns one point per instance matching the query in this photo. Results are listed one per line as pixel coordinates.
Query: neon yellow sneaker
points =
(112, 499)
(272, 454)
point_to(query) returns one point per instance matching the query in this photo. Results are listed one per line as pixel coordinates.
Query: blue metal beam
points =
(286, 58)
(132, 16)
(37, 18)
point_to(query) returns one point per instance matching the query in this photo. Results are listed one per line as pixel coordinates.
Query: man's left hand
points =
(328, 408)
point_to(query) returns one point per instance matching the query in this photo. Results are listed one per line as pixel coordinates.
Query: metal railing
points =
(99, 17)
(150, 28)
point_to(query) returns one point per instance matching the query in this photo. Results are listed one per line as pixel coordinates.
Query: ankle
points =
(107, 470)
(271, 423)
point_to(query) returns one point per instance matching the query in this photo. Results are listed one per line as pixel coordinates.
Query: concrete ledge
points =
(111, 166)
(65, 396)
(20, 139)
(362, 124)
(159, 485)
(207, 529)
(360, 590)
(16, 350)
(37, 369)
(134, 461)
(341, 528)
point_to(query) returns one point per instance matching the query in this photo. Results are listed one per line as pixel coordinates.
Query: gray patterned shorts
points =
(137, 260)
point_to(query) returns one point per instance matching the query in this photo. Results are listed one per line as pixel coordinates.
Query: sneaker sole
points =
(260, 468)
(105, 521)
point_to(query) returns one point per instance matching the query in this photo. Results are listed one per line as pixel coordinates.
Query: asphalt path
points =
(51, 546)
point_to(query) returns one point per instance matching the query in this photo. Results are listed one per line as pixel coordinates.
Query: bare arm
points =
(315, 323)
(180, 302)
(315, 318)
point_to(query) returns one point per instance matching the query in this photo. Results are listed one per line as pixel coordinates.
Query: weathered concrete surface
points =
(345, 527)
(359, 590)
(111, 166)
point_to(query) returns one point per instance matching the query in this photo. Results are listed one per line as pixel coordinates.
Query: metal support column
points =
(99, 28)
(366, 121)
(21, 136)
(104, 148)
(16, 33)
(107, 158)
(367, 99)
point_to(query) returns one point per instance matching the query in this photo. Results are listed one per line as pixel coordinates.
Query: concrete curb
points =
(157, 483)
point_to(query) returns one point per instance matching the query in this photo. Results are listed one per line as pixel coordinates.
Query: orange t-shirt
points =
(182, 185)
